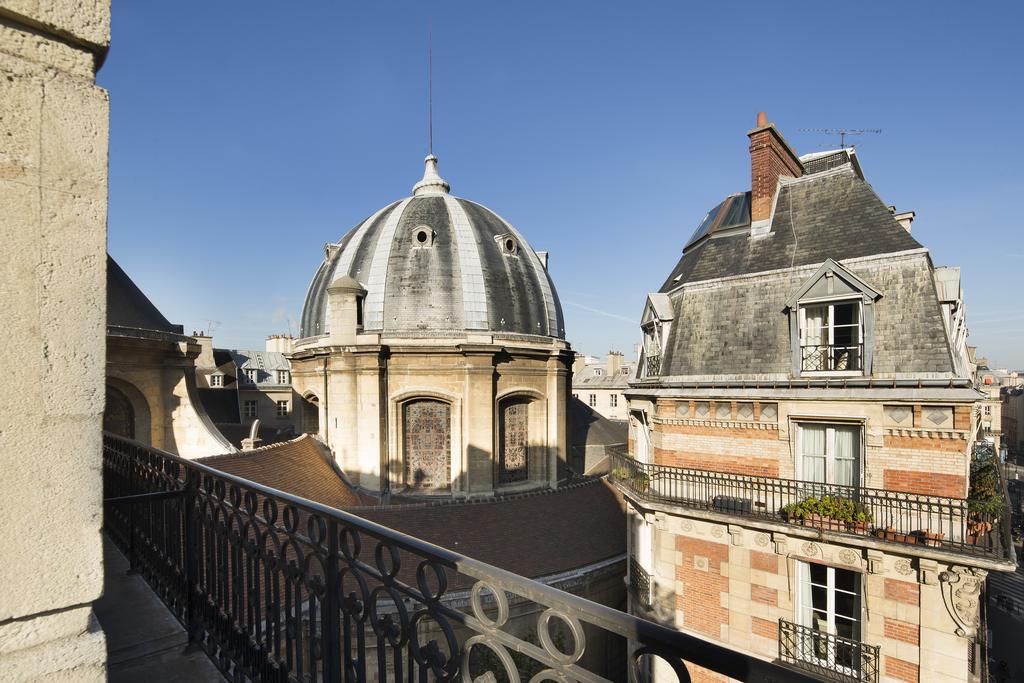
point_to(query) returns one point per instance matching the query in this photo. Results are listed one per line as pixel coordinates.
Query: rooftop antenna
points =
(210, 324)
(430, 87)
(842, 133)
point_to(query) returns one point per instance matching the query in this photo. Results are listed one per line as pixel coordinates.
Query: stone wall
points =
(53, 190)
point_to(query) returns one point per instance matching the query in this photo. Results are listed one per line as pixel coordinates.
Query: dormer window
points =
(250, 374)
(282, 377)
(216, 380)
(598, 372)
(655, 323)
(831, 323)
(831, 337)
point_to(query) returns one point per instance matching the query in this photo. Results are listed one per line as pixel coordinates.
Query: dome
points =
(435, 264)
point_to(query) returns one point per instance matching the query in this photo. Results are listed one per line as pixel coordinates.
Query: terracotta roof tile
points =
(300, 467)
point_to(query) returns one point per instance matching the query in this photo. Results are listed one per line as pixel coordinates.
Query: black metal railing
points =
(653, 365)
(278, 588)
(640, 582)
(826, 655)
(891, 516)
(830, 357)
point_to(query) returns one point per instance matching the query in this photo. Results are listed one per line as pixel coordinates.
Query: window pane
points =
(819, 574)
(815, 320)
(846, 314)
(847, 450)
(847, 581)
(846, 605)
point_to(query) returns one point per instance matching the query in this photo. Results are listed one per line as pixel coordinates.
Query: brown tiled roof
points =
(534, 535)
(300, 467)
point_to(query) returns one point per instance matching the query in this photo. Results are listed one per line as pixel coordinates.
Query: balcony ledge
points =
(822, 535)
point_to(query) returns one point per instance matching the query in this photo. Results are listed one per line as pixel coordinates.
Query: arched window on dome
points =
(427, 445)
(514, 441)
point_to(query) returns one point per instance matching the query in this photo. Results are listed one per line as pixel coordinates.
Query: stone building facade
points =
(602, 385)
(801, 435)
(53, 190)
(151, 388)
(432, 357)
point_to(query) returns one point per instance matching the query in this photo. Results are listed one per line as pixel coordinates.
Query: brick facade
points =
(927, 483)
(905, 631)
(902, 591)
(900, 670)
(703, 585)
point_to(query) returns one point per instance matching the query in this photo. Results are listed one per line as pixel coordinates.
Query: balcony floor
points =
(144, 640)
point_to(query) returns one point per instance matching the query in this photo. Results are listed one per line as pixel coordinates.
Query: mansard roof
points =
(833, 214)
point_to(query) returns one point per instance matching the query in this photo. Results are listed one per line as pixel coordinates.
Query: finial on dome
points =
(432, 183)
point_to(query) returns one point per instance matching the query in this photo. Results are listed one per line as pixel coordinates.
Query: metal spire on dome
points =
(432, 183)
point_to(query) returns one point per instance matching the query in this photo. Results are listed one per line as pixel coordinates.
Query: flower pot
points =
(857, 527)
(824, 523)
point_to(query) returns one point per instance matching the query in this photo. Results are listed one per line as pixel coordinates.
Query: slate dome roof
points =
(434, 264)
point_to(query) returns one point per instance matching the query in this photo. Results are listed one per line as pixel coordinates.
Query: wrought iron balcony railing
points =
(640, 582)
(832, 358)
(653, 365)
(278, 588)
(891, 516)
(826, 655)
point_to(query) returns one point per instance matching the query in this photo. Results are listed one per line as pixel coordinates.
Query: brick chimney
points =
(771, 157)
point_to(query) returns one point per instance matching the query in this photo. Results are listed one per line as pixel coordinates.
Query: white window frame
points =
(830, 448)
(278, 409)
(831, 303)
(598, 372)
(251, 374)
(592, 401)
(255, 408)
(282, 377)
(830, 609)
(613, 400)
(641, 436)
(216, 380)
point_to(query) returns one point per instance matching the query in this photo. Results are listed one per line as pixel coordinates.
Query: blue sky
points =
(244, 137)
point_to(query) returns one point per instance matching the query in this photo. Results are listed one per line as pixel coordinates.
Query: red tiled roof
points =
(300, 467)
(532, 535)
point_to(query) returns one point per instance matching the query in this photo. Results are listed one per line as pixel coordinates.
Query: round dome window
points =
(423, 236)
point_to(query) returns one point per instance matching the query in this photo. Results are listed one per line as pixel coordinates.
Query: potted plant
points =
(831, 513)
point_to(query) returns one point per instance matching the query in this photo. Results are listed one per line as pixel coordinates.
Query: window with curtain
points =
(829, 602)
(830, 453)
(831, 337)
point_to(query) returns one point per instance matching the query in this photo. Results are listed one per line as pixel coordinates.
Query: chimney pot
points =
(762, 119)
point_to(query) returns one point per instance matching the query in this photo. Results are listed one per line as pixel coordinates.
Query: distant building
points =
(239, 387)
(602, 385)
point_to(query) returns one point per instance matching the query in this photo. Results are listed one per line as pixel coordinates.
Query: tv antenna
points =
(210, 324)
(842, 133)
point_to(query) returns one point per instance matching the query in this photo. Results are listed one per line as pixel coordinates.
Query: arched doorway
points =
(427, 444)
(118, 416)
(514, 441)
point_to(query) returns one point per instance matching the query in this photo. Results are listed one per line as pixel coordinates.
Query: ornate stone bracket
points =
(961, 590)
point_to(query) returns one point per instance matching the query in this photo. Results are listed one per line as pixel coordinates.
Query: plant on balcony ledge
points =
(985, 501)
(831, 513)
(635, 479)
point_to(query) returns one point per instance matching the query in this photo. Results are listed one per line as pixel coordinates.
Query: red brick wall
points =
(700, 599)
(926, 483)
(901, 630)
(766, 562)
(764, 628)
(900, 670)
(926, 443)
(962, 417)
(713, 462)
(768, 596)
(902, 591)
(751, 432)
(699, 674)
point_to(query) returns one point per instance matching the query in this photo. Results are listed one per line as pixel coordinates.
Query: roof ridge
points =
(258, 449)
(491, 500)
